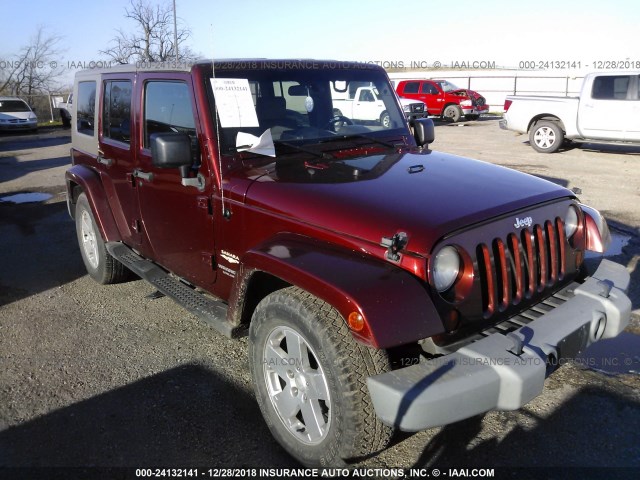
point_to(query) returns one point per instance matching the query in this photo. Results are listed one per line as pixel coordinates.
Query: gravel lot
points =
(103, 376)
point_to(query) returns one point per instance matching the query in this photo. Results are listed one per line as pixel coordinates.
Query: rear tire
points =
(546, 137)
(100, 265)
(310, 377)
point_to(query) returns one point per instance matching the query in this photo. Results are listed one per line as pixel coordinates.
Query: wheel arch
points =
(549, 117)
(81, 179)
(348, 281)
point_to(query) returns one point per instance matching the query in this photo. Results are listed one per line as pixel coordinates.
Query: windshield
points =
(7, 106)
(446, 86)
(301, 105)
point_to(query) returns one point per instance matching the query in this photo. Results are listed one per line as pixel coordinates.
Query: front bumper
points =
(504, 372)
(23, 125)
(474, 109)
(413, 116)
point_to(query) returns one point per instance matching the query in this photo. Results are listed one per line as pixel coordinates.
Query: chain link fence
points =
(493, 87)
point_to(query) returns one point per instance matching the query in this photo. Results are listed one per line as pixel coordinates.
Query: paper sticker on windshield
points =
(250, 143)
(234, 102)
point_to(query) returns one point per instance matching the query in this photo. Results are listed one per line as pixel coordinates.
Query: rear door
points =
(177, 220)
(606, 110)
(116, 148)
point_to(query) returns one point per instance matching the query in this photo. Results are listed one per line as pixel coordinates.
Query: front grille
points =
(417, 108)
(521, 266)
(481, 101)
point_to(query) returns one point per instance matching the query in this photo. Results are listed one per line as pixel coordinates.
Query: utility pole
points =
(175, 30)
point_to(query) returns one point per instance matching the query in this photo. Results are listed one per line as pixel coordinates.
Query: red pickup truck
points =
(444, 99)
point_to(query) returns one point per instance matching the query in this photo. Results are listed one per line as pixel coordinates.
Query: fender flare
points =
(395, 304)
(89, 181)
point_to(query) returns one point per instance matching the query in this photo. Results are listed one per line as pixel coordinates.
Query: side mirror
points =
(171, 150)
(424, 131)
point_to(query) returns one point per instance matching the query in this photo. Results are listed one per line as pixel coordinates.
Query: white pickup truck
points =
(65, 109)
(364, 104)
(607, 110)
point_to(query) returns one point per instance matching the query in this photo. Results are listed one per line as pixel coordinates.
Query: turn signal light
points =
(356, 321)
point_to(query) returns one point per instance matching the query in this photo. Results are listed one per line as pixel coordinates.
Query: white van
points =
(15, 114)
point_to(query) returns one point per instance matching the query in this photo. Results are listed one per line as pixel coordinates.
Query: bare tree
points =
(34, 69)
(152, 40)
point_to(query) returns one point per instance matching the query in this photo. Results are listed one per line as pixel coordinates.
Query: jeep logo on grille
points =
(523, 222)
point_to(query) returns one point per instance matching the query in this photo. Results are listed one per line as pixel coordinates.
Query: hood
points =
(463, 92)
(426, 194)
(409, 101)
(17, 115)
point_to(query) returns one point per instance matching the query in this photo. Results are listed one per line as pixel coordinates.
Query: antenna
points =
(217, 123)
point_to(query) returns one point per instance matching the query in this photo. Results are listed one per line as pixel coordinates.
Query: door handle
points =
(148, 176)
(102, 160)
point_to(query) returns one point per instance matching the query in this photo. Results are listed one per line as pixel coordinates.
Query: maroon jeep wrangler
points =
(383, 285)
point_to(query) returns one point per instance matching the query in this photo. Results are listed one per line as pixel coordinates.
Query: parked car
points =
(364, 104)
(382, 285)
(16, 114)
(444, 99)
(607, 110)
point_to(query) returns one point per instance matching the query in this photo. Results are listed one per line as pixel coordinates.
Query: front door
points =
(177, 220)
(604, 112)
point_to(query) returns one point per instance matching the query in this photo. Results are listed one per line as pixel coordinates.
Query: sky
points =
(463, 33)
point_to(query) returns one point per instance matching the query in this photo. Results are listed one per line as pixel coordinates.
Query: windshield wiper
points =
(323, 155)
(366, 137)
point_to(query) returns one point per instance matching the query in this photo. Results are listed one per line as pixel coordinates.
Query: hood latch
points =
(395, 245)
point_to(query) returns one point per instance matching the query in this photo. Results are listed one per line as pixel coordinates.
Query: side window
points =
(116, 110)
(86, 109)
(366, 96)
(610, 87)
(430, 89)
(411, 87)
(167, 108)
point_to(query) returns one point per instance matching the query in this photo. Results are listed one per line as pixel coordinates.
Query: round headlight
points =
(571, 222)
(446, 267)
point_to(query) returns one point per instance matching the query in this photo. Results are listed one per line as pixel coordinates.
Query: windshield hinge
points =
(395, 245)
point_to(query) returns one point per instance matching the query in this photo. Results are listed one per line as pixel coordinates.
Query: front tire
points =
(452, 113)
(100, 265)
(385, 119)
(310, 376)
(546, 137)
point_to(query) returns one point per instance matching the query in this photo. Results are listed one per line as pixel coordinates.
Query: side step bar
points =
(213, 312)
